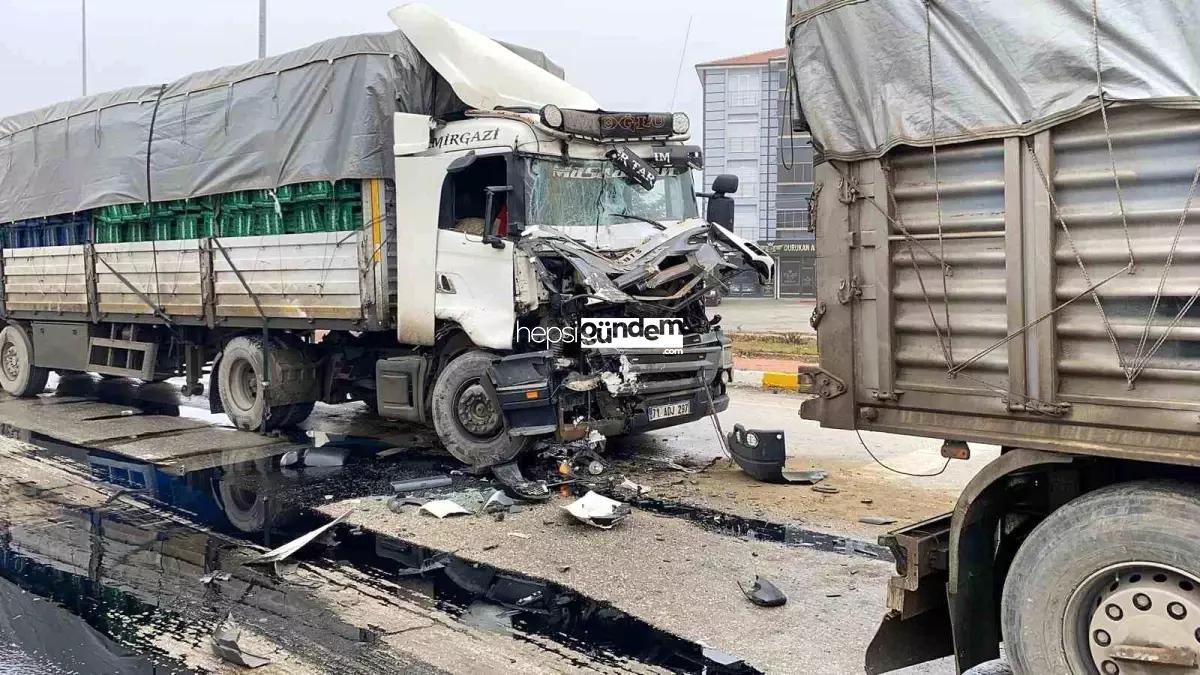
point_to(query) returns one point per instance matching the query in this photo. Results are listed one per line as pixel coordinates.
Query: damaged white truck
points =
(402, 218)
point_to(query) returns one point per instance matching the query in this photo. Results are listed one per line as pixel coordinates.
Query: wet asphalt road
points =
(592, 650)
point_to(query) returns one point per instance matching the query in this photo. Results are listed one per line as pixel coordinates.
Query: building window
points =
(747, 180)
(742, 137)
(800, 172)
(795, 160)
(745, 223)
(743, 88)
(791, 224)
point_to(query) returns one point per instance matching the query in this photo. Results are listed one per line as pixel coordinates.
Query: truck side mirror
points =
(720, 204)
(489, 215)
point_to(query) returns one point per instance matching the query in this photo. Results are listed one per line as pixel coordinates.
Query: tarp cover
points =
(1000, 67)
(319, 113)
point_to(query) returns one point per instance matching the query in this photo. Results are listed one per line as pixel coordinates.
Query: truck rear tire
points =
(18, 375)
(467, 421)
(1116, 567)
(240, 372)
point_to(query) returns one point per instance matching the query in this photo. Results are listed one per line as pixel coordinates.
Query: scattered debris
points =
(564, 568)
(283, 552)
(876, 520)
(631, 490)
(227, 644)
(827, 489)
(491, 547)
(763, 593)
(444, 507)
(804, 477)
(672, 464)
(421, 484)
(833, 595)
(431, 564)
(723, 659)
(518, 535)
(284, 568)
(498, 502)
(320, 457)
(215, 576)
(488, 617)
(762, 454)
(867, 501)
(397, 504)
(510, 476)
(597, 510)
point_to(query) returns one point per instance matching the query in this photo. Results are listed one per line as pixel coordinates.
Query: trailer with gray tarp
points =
(379, 218)
(1008, 253)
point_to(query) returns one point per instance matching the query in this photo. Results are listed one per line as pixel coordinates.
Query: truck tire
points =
(18, 375)
(240, 371)
(466, 419)
(1115, 567)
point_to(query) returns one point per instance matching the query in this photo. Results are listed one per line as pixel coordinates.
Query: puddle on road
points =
(59, 622)
(756, 528)
(230, 500)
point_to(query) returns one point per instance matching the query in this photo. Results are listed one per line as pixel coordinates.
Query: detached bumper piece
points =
(761, 454)
(522, 387)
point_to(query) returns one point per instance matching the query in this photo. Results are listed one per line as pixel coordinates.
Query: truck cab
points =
(542, 220)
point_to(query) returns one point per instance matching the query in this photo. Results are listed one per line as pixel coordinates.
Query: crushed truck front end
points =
(596, 215)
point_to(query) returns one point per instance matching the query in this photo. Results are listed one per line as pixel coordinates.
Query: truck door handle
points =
(444, 285)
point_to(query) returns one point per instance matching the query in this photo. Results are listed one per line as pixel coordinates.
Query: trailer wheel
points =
(18, 375)
(467, 420)
(1108, 583)
(240, 372)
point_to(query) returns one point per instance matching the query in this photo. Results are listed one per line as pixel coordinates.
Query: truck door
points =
(474, 278)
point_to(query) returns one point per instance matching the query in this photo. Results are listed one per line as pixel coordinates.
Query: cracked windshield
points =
(597, 193)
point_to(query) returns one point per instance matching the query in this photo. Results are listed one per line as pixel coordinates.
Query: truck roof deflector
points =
(483, 73)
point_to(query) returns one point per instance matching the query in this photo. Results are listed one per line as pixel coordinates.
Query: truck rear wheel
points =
(1108, 584)
(18, 375)
(240, 372)
(467, 420)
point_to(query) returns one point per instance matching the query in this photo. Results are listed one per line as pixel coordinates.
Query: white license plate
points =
(662, 412)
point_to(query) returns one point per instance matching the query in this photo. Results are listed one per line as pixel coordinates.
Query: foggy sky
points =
(624, 52)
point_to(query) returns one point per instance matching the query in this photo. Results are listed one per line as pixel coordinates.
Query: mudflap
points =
(902, 643)
(214, 387)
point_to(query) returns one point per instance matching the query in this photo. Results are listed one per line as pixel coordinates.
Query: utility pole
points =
(83, 42)
(262, 29)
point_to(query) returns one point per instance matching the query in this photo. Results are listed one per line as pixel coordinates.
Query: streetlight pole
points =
(83, 43)
(262, 29)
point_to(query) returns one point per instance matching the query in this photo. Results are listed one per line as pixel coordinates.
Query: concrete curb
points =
(766, 380)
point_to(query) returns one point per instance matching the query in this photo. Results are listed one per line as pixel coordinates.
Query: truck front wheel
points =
(18, 375)
(467, 420)
(240, 376)
(1109, 583)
